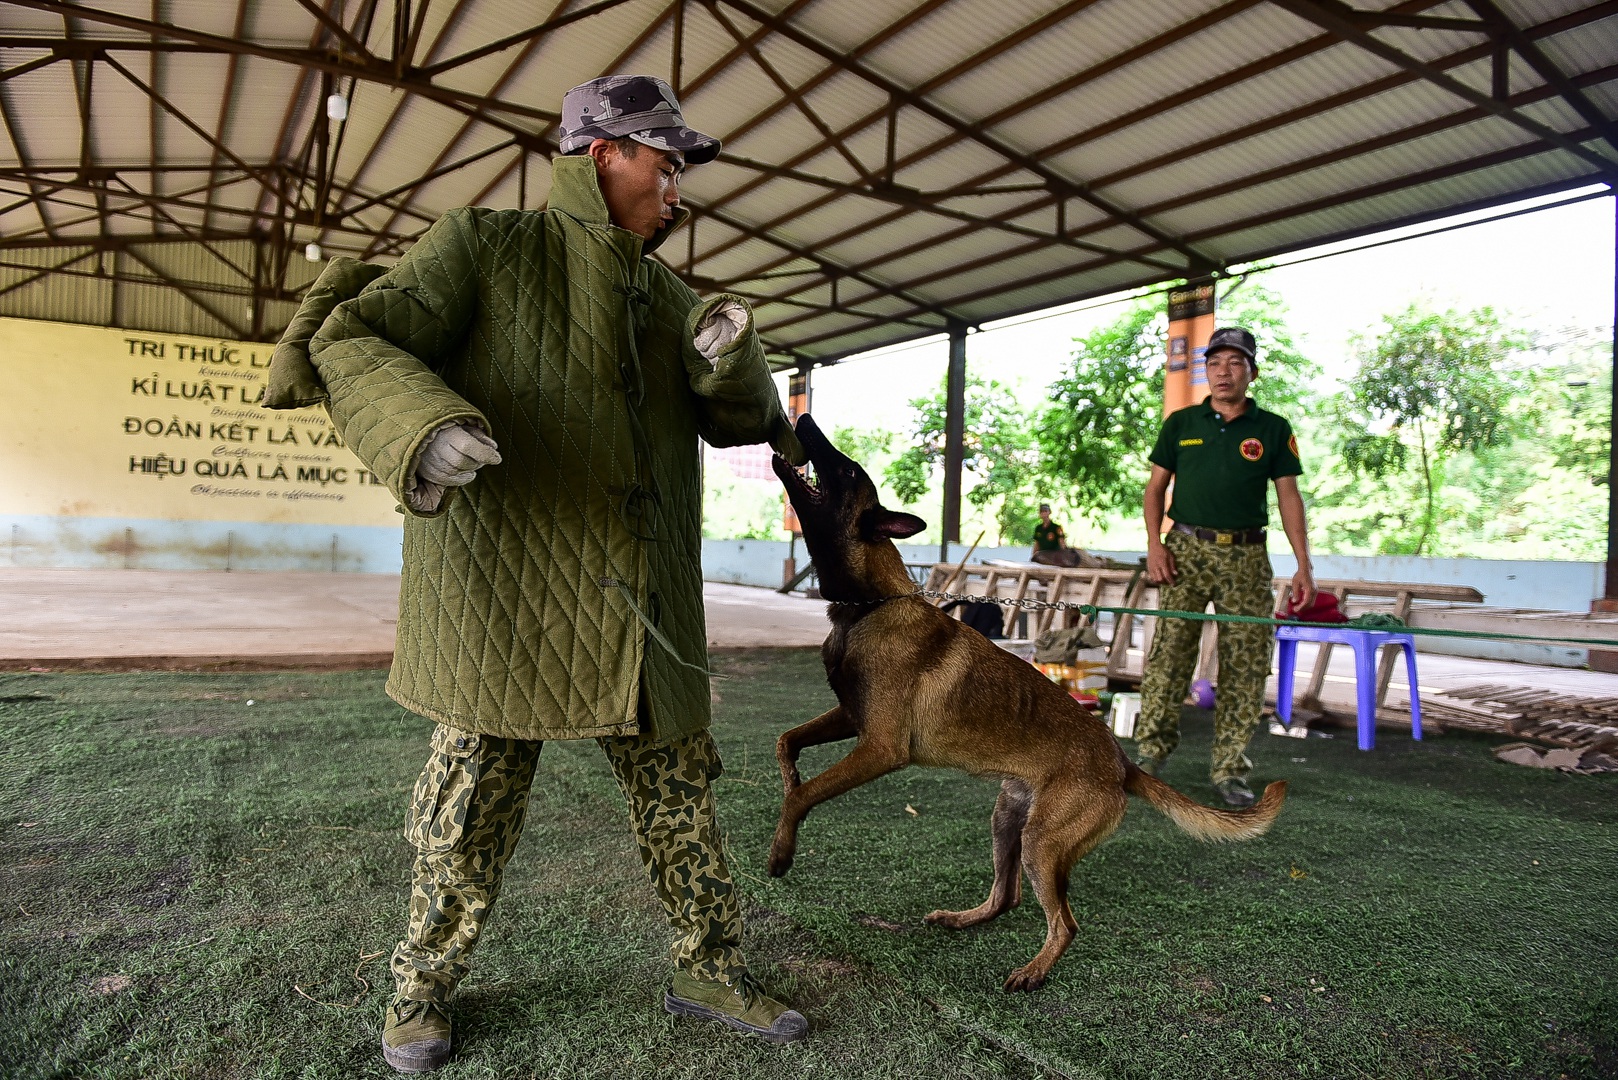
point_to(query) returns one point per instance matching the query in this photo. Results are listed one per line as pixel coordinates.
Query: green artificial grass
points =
(193, 885)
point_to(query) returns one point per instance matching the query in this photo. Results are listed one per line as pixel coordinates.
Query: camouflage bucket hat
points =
(638, 106)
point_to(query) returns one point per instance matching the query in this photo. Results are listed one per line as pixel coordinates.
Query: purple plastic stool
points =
(1365, 644)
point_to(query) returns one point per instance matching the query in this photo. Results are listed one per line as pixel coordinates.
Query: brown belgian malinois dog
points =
(916, 687)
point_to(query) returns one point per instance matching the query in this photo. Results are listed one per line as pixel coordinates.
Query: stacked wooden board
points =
(1524, 712)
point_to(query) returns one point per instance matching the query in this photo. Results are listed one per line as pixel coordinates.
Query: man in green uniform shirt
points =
(1050, 542)
(1220, 456)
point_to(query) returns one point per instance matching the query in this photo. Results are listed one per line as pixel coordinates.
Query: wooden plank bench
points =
(1129, 588)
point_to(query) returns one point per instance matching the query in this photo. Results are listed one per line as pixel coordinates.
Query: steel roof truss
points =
(55, 268)
(186, 290)
(200, 239)
(1146, 112)
(305, 189)
(525, 37)
(32, 65)
(353, 44)
(890, 114)
(930, 202)
(1342, 20)
(314, 59)
(1368, 191)
(792, 95)
(96, 185)
(22, 159)
(1546, 29)
(196, 129)
(226, 97)
(543, 139)
(404, 99)
(1510, 36)
(1095, 71)
(974, 132)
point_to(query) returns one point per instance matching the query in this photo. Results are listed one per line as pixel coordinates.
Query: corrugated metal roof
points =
(133, 287)
(1042, 150)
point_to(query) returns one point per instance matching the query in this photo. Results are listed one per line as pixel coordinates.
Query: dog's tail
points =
(1205, 822)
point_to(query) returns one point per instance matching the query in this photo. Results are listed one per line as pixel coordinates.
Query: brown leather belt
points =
(1222, 536)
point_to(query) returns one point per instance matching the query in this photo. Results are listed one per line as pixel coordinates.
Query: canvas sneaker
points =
(741, 1004)
(416, 1035)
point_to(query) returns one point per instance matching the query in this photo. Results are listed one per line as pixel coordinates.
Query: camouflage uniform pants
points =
(1236, 579)
(467, 813)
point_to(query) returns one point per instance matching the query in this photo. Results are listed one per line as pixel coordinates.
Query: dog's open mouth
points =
(799, 484)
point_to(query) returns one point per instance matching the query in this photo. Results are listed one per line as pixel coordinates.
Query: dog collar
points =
(877, 601)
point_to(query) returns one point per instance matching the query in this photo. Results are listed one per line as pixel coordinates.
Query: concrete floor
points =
(134, 618)
(151, 618)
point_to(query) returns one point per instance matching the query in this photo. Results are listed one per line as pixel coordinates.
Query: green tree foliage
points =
(1095, 434)
(871, 447)
(998, 451)
(1516, 452)
(1430, 385)
(1105, 410)
(1573, 404)
(734, 508)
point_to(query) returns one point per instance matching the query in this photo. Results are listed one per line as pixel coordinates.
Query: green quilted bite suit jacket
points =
(527, 596)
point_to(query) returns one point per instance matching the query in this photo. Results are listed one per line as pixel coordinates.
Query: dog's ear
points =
(890, 525)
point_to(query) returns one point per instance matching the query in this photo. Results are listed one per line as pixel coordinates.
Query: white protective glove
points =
(721, 327)
(450, 457)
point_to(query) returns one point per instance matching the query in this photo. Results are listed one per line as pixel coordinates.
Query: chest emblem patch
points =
(1252, 449)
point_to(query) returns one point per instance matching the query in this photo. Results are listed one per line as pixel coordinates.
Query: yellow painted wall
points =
(97, 422)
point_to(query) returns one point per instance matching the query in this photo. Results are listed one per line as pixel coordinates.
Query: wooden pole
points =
(960, 565)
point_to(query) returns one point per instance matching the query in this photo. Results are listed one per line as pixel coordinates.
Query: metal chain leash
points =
(1003, 601)
(1025, 603)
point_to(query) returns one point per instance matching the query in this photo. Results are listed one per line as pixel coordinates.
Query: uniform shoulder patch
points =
(1292, 444)
(1252, 449)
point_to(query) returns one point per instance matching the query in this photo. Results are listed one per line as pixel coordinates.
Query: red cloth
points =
(1323, 609)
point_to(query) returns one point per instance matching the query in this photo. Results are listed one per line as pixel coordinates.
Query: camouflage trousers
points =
(467, 814)
(1236, 579)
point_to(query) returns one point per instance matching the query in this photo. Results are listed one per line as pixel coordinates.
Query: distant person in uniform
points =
(1221, 455)
(1050, 542)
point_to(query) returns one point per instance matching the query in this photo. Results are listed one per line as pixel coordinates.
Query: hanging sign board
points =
(797, 405)
(1191, 324)
(99, 422)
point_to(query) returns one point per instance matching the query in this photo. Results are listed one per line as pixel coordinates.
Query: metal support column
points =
(954, 438)
(1607, 659)
(1611, 591)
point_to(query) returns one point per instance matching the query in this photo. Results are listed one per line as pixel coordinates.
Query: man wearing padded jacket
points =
(532, 387)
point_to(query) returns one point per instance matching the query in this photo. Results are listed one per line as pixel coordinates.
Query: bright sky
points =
(1549, 270)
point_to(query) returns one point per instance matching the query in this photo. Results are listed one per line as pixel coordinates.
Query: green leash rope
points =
(651, 628)
(1430, 631)
(1092, 610)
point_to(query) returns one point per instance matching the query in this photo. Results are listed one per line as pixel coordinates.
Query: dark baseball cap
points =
(640, 107)
(1234, 337)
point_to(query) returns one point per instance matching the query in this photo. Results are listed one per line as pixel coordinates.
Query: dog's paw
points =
(1024, 980)
(779, 864)
(949, 920)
